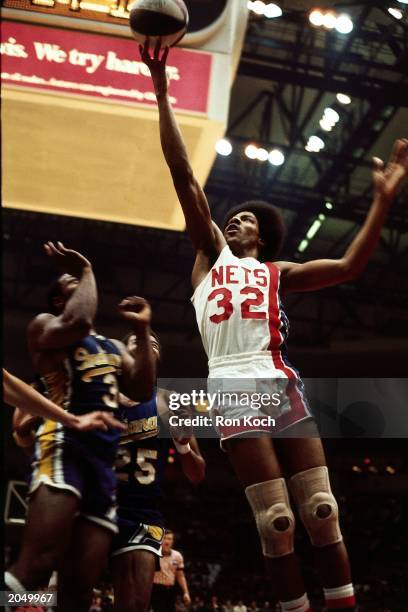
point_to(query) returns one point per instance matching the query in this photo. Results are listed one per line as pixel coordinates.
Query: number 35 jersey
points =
(140, 464)
(240, 318)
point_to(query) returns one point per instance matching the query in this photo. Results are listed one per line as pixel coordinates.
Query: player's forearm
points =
(172, 142)
(193, 466)
(18, 393)
(181, 579)
(142, 379)
(365, 242)
(81, 307)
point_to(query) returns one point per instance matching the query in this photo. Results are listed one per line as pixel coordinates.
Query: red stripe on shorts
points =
(298, 409)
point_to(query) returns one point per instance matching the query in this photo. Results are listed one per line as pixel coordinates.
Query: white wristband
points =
(183, 449)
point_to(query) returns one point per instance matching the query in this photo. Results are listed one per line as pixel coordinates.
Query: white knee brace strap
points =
(270, 501)
(317, 506)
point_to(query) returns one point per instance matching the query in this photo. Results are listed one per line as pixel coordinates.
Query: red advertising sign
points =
(68, 61)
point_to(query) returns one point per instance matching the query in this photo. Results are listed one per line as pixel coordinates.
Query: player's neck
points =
(245, 252)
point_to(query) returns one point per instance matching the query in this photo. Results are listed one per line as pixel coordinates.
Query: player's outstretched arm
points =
(321, 273)
(192, 462)
(139, 366)
(47, 331)
(18, 393)
(191, 196)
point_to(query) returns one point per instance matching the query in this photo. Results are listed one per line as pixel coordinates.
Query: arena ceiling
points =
(288, 73)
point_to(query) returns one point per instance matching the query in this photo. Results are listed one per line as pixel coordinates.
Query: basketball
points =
(165, 19)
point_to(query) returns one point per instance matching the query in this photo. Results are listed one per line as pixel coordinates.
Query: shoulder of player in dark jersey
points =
(119, 345)
(39, 321)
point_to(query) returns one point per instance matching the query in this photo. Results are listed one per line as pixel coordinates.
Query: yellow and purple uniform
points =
(82, 462)
(140, 465)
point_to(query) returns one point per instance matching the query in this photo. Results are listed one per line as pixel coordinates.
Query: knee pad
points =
(274, 518)
(317, 506)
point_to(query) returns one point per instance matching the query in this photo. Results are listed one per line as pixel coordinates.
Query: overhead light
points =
(322, 217)
(329, 205)
(343, 24)
(276, 157)
(257, 7)
(316, 18)
(223, 147)
(390, 469)
(329, 20)
(272, 10)
(303, 245)
(356, 468)
(343, 98)
(331, 115)
(262, 154)
(326, 125)
(403, 1)
(251, 151)
(314, 144)
(313, 229)
(395, 13)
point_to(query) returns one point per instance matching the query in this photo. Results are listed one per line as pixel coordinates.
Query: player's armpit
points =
(313, 275)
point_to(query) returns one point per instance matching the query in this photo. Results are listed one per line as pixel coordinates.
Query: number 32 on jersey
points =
(251, 296)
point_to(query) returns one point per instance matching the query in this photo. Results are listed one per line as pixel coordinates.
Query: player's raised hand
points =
(136, 310)
(156, 65)
(388, 178)
(67, 260)
(97, 420)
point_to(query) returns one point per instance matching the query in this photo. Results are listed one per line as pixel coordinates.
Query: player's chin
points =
(232, 237)
(233, 241)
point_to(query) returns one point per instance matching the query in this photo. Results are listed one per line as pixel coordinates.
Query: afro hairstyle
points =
(271, 226)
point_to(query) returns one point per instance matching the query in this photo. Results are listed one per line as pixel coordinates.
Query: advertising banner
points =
(83, 64)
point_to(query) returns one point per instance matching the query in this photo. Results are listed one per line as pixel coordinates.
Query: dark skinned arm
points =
(47, 331)
(326, 272)
(190, 194)
(192, 462)
(139, 366)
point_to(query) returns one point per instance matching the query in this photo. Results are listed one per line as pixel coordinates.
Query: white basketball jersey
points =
(238, 308)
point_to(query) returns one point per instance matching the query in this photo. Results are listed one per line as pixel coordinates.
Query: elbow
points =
(350, 271)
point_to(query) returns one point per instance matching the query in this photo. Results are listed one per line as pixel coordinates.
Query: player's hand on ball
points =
(67, 260)
(97, 420)
(156, 65)
(388, 179)
(136, 310)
